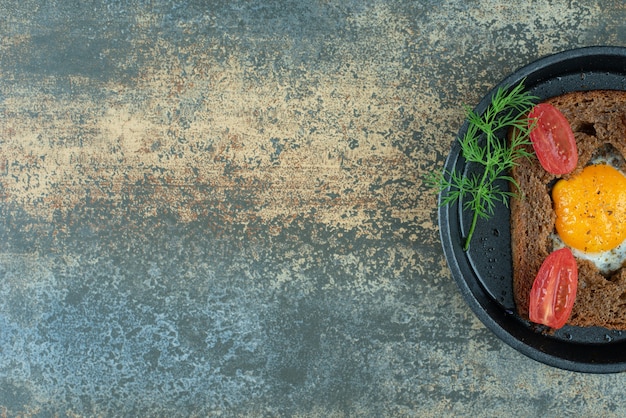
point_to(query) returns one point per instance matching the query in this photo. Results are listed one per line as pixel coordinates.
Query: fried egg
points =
(590, 212)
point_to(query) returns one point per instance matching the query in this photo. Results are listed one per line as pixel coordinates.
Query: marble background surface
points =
(216, 208)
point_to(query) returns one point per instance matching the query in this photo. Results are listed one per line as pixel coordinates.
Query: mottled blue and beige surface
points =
(216, 208)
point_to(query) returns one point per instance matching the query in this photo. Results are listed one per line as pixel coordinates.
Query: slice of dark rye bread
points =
(598, 119)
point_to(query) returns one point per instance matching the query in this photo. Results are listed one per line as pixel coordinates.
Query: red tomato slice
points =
(554, 289)
(553, 139)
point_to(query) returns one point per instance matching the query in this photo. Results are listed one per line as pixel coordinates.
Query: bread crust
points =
(598, 119)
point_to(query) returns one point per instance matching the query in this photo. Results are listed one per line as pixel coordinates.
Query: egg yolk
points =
(591, 209)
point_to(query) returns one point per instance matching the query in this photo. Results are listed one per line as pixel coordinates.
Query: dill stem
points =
(471, 231)
(475, 215)
(488, 164)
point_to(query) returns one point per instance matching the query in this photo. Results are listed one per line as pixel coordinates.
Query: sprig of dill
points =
(482, 145)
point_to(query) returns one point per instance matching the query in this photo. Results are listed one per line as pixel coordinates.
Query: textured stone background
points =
(216, 207)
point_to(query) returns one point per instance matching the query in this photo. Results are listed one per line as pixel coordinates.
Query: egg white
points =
(606, 261)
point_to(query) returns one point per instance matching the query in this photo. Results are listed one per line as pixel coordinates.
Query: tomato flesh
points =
(553, 139)
(554, 289)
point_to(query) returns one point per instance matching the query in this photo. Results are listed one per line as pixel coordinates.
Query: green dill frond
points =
(482, 144)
